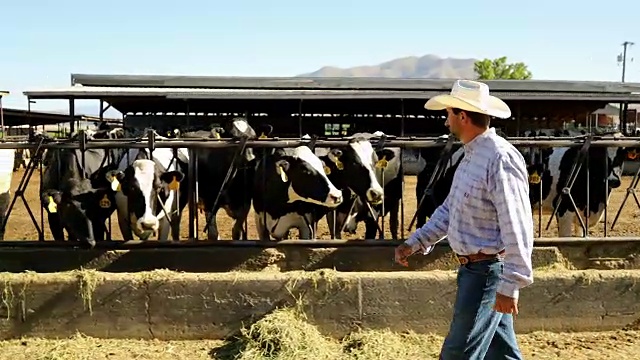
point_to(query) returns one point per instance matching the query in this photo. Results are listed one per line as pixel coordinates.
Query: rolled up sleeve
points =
(509, 182)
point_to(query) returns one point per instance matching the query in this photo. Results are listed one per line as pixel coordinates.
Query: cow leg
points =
(565, 224)
(99, 229)
(212, 230)
(55, 224)
(334, 228)
(394, 209)
(163, 229)
(263, 233)
(175, 227)
(5, 199)
(238, 226)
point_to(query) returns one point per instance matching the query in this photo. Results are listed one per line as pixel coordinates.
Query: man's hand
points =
(506, 305)
(403, 251)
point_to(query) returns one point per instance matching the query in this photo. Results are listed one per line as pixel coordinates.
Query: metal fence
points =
(151, 142)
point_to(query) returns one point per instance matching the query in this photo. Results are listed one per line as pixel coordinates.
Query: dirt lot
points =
(578, 346)
(20, 226)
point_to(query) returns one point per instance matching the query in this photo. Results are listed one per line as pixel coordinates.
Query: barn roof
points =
(19, 117)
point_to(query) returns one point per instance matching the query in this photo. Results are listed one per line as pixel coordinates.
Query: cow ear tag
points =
(115, 184)
(283, 175)
(339, 165)
(382, 163)
(327, 170)
(105, 203)
(52, 206)
(174, 184)
(534, 178)
(217, 135)
(262, 136)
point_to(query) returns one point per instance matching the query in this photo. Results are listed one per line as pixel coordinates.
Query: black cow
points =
(291, 186)
(77, 196)
(146, 189)
(213, 166)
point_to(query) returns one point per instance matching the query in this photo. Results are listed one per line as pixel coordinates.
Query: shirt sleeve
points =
(509, 185)
(433, 231)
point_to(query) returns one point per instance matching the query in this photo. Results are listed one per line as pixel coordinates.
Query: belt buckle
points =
(463, 259)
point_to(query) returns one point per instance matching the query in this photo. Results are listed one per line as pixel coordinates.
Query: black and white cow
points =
(213, 166)
(6, 174)
(352, 169)
(291, 188)
(552, 168)
(147, 190)
(76, 196)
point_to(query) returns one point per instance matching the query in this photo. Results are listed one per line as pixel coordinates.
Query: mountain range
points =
(427, 66)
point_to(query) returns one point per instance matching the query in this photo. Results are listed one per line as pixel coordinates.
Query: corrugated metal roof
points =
(345, 83)
(93, 92)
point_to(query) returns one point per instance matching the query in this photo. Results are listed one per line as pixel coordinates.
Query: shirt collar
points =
(473, 144)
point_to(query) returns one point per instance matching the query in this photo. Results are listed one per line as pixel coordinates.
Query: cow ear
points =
(282, 166)
(173, 178)
(334, 155)
(114, 177)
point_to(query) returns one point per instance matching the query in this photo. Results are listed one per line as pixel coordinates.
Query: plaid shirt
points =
(487, 210)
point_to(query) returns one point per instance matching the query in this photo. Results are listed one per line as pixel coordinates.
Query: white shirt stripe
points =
(487, 210)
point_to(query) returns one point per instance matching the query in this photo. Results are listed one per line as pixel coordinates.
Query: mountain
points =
(428, 66)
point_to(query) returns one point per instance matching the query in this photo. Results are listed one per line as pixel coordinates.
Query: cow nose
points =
(335, 199)
(374, 196)
(148, 224)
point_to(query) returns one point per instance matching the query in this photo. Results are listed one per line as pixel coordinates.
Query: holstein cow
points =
(552, 169)
(213, 166)
(290, 187)
(352, 169)
(146, 189)
(6, 174)
(76, 196)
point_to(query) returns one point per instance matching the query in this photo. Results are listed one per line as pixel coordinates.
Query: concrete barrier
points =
(222, 259)
(168, 305)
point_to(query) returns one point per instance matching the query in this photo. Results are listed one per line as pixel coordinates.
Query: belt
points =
(464, 259)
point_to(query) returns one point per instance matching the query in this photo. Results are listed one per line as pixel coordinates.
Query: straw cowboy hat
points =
(471, 96)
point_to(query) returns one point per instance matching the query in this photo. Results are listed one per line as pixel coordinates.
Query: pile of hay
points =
(286, 335)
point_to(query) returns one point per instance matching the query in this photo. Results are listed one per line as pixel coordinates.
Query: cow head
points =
(145, 184)
(355, 165)
(238, 128)
(306, 179)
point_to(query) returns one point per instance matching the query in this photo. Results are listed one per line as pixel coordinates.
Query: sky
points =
(44, 41)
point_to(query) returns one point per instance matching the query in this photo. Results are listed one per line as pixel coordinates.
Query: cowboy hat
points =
(471, 96)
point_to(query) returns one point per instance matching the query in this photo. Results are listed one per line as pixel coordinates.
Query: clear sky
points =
(44, 41)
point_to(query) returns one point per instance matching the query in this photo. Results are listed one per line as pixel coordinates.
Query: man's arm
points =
(509, 185)
(433, 231)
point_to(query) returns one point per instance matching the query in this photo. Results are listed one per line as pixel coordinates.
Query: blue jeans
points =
(477, 331)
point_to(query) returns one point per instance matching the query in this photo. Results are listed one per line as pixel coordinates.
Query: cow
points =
(213, 167)
(21, 158)
(145, 186)
(352, 169)
(551, 170)
(75, 194)
(6, 174)
(291, 186)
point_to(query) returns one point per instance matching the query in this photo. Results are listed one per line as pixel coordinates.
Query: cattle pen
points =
(357, 303)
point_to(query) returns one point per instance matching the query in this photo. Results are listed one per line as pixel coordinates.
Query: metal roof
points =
(95, 92)
(353, 83)
(4, 93)
(18, 117)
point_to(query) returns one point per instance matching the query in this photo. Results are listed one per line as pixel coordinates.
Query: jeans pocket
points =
(484, 268)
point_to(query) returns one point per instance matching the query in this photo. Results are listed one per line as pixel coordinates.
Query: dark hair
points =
(477, 119)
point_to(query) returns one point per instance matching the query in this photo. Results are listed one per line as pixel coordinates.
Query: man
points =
(488, 221)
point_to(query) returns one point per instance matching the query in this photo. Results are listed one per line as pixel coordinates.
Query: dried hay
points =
(384, 344)
(284, 334)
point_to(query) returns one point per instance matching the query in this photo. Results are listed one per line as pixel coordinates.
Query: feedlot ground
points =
(20, 226)
(620, 345)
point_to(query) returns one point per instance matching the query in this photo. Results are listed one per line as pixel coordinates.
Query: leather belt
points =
(464, 259)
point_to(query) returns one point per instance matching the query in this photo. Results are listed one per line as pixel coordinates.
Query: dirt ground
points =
(21, 227)
(617, 345)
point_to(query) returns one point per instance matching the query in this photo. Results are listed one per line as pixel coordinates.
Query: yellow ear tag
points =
(327, 170)
(115, 184)
(534, 178)
(382, 163)
(283, 175)
(339, 165)
(262, 136)
(217, 135)
(52, 206)
(174, 184)
(105, 203)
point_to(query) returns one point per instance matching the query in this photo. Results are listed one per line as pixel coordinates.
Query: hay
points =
(384, 344)
(284, 334)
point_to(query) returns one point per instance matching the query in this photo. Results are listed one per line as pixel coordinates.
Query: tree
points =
(488, 69)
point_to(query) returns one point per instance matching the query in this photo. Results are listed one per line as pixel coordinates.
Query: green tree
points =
(488, 69)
